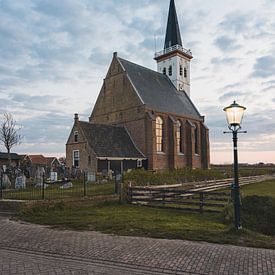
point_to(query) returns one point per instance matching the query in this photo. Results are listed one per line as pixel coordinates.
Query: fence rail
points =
(199, 196)
(199, 201)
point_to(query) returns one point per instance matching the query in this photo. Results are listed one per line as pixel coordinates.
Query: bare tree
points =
(9, 133)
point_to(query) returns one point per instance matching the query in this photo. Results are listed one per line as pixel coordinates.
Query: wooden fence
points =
(198, 201)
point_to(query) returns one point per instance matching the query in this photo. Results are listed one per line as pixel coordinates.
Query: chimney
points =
(76, 118)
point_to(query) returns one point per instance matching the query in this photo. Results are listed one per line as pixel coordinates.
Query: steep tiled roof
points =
(158, 92)
(110, 141)
(38, 159)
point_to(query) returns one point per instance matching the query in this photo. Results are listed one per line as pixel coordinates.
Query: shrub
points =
(142, 177)
(258, 214)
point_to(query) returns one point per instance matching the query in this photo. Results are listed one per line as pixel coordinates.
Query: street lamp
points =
(234, 115)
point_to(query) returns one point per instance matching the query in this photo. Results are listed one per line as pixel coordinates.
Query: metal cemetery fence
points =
(31, 189)
(198, 201)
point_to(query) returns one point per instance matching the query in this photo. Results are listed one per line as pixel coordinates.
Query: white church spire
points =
(174, 60)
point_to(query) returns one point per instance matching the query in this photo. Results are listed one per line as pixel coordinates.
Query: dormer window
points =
(164, 71)
(181, 70)
(185, 72)
(76, 136)
(170, 70)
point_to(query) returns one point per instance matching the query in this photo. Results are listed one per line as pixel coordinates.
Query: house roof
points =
(38, 159)
(173, 36)
(13, 156)
(158, 92)
(50, 160)
(110, 141)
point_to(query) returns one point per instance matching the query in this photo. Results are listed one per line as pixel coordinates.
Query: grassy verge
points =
(266, 188)
(107, 215)
(122, 219)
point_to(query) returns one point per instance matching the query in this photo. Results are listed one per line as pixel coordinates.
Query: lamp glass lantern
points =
(234, 114)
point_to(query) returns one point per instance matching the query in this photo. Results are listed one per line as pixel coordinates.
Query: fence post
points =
(201, 202)
(84, 183)
(43, 186)
(130, 191)
(120, 191)
(1, 186)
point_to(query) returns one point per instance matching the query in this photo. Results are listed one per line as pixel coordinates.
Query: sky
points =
(54, 56)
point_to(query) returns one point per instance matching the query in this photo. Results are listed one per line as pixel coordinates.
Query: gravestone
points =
(6, 183)
(40, 171)
(91, 177)
(20, 182)
(66, 185)
(53, 176)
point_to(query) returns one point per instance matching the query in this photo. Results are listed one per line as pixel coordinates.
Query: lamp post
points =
(234, 115)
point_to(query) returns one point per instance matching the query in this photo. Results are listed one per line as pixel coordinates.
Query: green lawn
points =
(266, 188)
(107, 215)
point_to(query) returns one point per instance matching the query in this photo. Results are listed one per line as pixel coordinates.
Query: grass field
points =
(110, 216)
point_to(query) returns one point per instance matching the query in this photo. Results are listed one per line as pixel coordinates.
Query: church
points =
(143, 118)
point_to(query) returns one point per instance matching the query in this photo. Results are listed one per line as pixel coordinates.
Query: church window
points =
(181, 70)
(196, 132)
(179, 136)
(185, 72)
(76, 136)
(170, 70)
(159, 134)
(89, 160)
(76, 158)
(164, 71)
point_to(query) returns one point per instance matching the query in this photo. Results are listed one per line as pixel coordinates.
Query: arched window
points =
(170, 70)
(196, 131)
(185, 72)
(159, 134)
(181, 70)
(179, 136)
(164, 71)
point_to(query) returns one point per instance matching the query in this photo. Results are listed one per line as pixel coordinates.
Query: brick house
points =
(153, 107)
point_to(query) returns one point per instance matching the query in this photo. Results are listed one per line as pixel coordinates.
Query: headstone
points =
(40, 171)
(66, 185)
(91, 177)
(20, 182)
(53, 176)
(6, 181)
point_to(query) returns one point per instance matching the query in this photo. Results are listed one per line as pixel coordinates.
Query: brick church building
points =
(143, 118)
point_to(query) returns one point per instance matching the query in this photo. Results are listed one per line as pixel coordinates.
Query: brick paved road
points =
(32, 249)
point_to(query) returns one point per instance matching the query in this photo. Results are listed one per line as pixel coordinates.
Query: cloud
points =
(224, 61)
(226, 44)
(235, 22)
(232, 95)
(264, 67)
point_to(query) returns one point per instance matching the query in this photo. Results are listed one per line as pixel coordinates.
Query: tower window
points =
(159, 134)
(181, 70)
(76, 136)
(164, 71)
(170, 70)
(185, 72)
(179, 136)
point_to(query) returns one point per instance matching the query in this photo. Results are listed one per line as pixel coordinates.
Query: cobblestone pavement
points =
(34, 249)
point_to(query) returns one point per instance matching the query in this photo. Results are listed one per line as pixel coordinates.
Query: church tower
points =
(174, 60)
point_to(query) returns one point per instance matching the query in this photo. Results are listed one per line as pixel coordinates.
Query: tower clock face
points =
(181, 87)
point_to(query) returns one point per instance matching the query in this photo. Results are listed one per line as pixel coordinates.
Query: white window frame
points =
(139, 163)
(76, 159)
